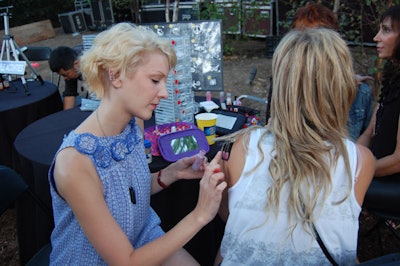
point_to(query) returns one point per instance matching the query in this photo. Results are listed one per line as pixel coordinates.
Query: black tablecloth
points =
(17, 110)
(36, 146)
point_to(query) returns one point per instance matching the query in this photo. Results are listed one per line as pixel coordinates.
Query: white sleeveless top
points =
(255, 236)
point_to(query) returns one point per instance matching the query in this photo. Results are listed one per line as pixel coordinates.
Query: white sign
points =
(12, 67)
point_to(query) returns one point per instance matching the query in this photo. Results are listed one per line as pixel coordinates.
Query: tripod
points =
(10, 46)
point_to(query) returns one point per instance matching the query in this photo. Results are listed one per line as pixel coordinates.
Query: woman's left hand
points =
(182, 169)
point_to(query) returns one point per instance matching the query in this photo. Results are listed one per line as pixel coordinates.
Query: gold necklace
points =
(98, 121)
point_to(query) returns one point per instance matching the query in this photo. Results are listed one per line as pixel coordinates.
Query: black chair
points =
(12, 186)
(382, 201)
(37, 53)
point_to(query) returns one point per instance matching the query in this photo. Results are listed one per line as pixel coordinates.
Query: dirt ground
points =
(236, 74)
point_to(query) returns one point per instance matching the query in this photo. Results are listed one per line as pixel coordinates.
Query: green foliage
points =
(228, 49)
(211, 11)
(233, 17)
(123, 10)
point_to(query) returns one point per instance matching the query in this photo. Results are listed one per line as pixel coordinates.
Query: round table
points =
(17, 110)
(36, 146)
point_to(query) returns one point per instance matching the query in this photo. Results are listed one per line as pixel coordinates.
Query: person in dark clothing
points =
(383, 133)
(65, 61)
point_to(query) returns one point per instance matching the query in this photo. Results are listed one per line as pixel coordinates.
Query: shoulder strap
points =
(320, 243)
(323, 247)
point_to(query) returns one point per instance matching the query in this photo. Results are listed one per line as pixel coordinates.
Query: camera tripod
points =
(9, 46)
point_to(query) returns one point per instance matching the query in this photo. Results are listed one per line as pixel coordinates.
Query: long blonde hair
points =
(120, 49)
(314, 86)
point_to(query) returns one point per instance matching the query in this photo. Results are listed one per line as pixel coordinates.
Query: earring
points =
(111, 75)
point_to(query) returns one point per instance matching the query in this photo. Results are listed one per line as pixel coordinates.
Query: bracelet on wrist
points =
(161, 183)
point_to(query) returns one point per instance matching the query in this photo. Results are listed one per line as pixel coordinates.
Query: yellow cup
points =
(207, 122)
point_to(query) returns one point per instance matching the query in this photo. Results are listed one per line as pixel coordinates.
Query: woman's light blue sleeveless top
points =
(123, 170)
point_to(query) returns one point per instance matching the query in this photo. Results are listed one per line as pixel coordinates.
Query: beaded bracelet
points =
(161, 183)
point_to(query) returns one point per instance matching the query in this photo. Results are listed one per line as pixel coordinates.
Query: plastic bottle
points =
(6, 82)
(199, 160)
(228, 98)
(147, 149)
(208, 96)
(238, 101)
(222, 97)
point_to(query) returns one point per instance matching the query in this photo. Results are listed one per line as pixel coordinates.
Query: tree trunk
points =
(176, 11)
(167, 11)
(134, 5)
(336, 6)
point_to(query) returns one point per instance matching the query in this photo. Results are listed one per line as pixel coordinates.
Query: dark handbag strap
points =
(320, 243)
(323, 247)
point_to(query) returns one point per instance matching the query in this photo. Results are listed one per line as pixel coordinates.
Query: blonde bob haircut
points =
(118, 51)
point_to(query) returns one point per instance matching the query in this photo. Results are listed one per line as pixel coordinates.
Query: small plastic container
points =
(147, 149)
(199, 160)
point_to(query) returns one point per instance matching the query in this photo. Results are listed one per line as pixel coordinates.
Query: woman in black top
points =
(383, 133)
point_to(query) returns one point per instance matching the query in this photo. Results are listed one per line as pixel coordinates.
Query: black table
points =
(36, 146)
(17, 110)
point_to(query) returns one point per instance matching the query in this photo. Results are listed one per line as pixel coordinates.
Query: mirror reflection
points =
(184, 144)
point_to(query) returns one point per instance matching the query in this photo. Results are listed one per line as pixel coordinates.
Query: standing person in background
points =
(317, 15)
(100, 178)
(64, 61)
(383, 134)
(302, 170)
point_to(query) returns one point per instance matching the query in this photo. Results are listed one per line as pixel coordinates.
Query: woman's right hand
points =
(360, 79)
(211, 187)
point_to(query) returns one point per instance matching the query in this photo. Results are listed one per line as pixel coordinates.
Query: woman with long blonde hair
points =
(301, 171)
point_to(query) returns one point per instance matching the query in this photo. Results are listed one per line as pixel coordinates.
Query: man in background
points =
(65, 61)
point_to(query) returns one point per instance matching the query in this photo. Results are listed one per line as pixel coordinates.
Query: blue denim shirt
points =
(360, 112)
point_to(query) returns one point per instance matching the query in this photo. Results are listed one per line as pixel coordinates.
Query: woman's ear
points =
(117, 83)
(114, 79)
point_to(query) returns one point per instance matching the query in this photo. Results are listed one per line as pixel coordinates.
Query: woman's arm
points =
(366, 164)
(233, 168)
(81, 187)
(390, 164)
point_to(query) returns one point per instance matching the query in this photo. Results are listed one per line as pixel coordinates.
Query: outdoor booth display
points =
(199, 68)
(198, 48)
